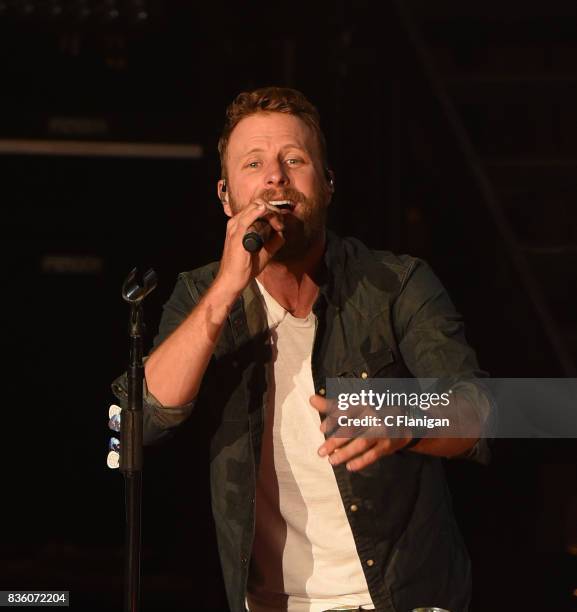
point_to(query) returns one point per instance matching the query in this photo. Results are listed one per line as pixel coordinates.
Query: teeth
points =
(280, 203)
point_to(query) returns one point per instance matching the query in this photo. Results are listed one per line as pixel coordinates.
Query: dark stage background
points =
(452, 131)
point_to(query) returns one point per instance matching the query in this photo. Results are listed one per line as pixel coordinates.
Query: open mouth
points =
(282, 204)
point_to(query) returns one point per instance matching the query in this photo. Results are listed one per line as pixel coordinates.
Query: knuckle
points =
(370, 457)
(331, 445)
(387, 446)
(364, 443)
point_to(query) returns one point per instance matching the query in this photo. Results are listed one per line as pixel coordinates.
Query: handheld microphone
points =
(257, 234)
(260, 231)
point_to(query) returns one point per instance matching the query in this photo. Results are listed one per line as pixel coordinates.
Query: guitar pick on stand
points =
(113, 457)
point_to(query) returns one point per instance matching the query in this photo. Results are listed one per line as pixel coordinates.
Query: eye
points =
(293, 161)
(252, 164)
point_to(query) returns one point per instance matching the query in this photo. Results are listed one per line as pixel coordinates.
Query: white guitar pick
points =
(113, 460)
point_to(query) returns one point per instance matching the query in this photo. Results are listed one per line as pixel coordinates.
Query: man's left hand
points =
(358, 453)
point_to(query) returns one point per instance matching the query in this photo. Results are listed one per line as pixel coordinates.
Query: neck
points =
(292, 284)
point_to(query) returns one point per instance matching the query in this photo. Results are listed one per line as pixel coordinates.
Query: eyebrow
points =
(260, 150)
(256, 150)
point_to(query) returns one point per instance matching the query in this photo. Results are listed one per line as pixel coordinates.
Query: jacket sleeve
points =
(432, 341)
(160, 420)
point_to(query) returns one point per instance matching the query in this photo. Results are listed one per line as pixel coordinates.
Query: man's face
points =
(276, 156)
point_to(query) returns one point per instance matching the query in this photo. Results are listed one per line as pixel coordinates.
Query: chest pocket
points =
(373, 365)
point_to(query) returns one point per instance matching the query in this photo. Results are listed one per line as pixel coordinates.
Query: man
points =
(306, 522)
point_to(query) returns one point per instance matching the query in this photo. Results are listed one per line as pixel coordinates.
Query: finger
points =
(270, 212)
(267, 221)
(275, 221)
(271, 215)
(370, 456)
(332, 429)
(320, 403)
(270, 247)
(354, 448)
(331, 445)
(247, 216)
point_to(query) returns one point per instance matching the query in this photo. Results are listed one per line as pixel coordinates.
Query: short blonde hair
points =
(271, 100)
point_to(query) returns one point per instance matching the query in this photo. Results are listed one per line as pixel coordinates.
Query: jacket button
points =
(370, 562)
(353, 507)
(322, 391)
(243, 560)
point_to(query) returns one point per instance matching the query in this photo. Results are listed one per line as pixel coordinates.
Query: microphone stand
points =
(131, 436)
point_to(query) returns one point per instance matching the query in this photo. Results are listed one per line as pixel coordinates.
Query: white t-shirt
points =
(304, 557)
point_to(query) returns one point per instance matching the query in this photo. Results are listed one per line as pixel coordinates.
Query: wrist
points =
(221, 295)
(413, 441)
(417, 430)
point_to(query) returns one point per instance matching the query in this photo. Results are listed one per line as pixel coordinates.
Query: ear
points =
(222, 192)
(331, 180)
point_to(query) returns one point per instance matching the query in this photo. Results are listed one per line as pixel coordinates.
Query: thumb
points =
(319, 403)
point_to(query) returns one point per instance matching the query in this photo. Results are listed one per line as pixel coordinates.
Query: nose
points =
(276, 175)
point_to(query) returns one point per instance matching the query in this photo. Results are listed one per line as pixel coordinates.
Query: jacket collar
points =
(349, 276)
(354, 277)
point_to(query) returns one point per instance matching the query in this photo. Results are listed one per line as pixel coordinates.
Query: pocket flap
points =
(370, 366)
